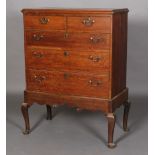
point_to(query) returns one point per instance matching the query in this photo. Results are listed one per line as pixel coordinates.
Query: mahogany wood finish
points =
(76, 40)
(77, 84)
(45, 22)
(119, 53)
(86, 24)
(76, 57)
(94, 61)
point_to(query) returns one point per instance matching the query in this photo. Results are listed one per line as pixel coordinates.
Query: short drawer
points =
(70, 40)
(49, 58)
(89, 23)
(45, 22)
(68, 83)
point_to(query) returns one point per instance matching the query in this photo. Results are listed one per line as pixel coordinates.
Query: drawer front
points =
(48, 58)
(55, 39)
(73, 40)
(91, 41)
(45, 22)
(68, 83)
(89, 23)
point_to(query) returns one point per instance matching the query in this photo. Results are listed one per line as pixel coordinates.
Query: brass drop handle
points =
(88, 21)
(94, 58)
(66, 53)
(37, 37)
(39, 78)
(96, 39)
(37, 54)
(44, 20)
(66, 75)
(95, 83)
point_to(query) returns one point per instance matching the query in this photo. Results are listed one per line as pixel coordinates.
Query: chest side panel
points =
(119, 53)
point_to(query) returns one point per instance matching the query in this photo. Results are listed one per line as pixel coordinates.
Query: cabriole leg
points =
(49, 112)
(111, 125)
(125, 115)
(24, 109)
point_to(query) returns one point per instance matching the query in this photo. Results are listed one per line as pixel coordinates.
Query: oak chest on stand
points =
(76, 57)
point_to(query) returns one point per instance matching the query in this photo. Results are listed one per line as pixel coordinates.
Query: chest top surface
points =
(72, 10)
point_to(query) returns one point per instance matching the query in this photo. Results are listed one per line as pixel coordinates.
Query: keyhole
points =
(66, 53)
